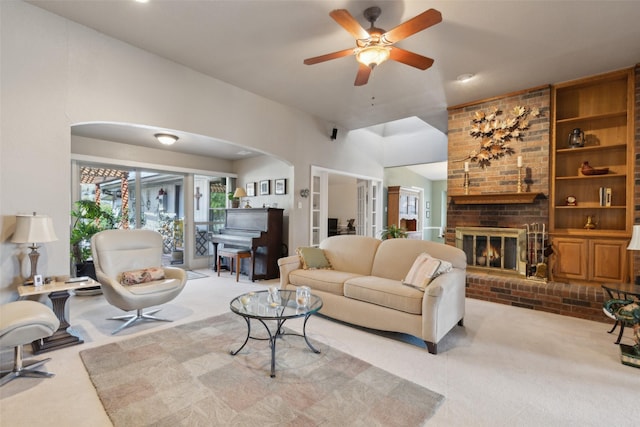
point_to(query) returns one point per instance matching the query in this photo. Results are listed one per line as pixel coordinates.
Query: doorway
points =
(350, 202)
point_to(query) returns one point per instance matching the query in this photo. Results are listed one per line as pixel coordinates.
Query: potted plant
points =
(393, 232)
(88, 219)
(235, 202)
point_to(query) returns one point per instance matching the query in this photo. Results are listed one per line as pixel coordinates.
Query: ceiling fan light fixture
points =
(373, 55)
(166, 138)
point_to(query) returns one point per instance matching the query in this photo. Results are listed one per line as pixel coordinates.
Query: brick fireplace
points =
(502, 285)
(490, 249)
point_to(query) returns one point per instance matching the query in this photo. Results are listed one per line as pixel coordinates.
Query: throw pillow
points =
(313, 258)
(424, 269)
(144, 275)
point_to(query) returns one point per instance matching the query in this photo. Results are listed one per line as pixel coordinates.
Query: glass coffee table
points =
(258, 306)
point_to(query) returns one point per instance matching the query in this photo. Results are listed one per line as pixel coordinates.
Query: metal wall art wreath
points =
(496, 133)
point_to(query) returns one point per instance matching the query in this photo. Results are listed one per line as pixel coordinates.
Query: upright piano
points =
(257, 229)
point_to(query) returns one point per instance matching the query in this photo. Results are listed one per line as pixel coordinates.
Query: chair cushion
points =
(313, 258)
(22, 322)
(143, 275)
(154, 287)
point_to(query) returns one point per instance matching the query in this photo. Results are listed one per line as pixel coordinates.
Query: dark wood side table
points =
(58, 294)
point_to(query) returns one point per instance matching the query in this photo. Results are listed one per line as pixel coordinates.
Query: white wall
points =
(343, 200)
(55, 73)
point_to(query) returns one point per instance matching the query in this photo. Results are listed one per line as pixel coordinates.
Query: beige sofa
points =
(364, 286)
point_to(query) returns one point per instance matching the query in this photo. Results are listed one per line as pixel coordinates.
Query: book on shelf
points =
(605, 196)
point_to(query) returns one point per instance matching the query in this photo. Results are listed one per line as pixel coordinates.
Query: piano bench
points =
(234, 254)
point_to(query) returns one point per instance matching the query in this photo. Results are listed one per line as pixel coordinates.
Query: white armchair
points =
(119, 251)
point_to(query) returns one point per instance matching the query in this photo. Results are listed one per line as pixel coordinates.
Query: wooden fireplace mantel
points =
(494, 198)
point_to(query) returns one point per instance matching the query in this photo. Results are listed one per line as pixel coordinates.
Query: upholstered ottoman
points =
(22, 322)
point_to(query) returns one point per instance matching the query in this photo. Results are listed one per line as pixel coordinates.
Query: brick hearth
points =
(567, 299)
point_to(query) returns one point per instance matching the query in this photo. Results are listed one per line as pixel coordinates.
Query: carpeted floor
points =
(185, 376)
(191, 275)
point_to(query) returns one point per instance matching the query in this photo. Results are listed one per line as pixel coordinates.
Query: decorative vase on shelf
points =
(590, 225)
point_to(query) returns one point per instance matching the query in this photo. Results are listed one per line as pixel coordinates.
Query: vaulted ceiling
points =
(260, 46)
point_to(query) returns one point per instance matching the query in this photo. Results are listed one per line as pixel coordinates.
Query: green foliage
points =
(218, 200)
(88, 219)
(393, 232)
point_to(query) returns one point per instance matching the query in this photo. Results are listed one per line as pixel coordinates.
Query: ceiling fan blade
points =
(363, 75)
(329, 56)
(410, 58)
(349, 23)
(413, 25)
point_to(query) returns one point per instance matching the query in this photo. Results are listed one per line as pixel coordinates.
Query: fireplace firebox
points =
(494, 249)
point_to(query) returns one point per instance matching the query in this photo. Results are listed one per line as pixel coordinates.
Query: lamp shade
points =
(373, 55)
(34, 229)
(634, 244)
(240, 192)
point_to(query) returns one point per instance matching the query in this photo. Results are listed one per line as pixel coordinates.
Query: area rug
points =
(191, 275)
(186, 376)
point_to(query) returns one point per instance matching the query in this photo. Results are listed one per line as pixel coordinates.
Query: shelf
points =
(591, 206)
(592, 117)
(495, 198)
(591, 148)
(582, 232)
(577, 177)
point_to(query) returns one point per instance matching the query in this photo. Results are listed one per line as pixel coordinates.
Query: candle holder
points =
(519, 179)
(466, 183)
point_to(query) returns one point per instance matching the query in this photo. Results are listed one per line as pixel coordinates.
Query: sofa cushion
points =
(330, 281)
(395, 257)
(313, 258)
(425, 268)
(351, 253)
(385, 292)
(422, 271)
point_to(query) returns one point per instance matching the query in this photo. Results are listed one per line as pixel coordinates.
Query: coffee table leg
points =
(304, 334)
(272, 342)
(248, 320)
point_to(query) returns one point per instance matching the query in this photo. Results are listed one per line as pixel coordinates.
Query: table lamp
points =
(634, 245)
(33, 229)
(239, 194)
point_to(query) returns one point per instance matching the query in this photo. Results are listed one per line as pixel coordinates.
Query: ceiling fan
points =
(374, 45)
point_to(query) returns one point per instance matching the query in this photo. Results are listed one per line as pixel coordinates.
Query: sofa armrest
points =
(443, 304)
(286, 266)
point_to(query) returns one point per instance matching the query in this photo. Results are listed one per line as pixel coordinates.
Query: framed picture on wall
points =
(265, 187)
(251, 189)
(280, 186)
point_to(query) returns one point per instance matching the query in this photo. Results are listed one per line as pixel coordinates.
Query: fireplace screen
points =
(502, 249)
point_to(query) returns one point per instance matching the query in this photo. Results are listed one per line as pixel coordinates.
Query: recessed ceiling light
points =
(465, 77)
(142, 1)
(166, 138)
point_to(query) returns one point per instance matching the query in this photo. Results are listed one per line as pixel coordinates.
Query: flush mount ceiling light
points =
(166, 138)
(465, 77)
